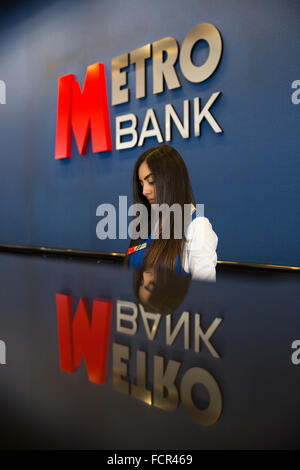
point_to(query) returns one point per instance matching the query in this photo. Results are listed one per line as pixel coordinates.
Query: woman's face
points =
(146, 180)
(147, 285)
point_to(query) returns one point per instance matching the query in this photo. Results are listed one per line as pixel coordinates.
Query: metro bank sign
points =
(86, 112)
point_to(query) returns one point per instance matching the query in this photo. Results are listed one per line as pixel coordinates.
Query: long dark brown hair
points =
(172, 185)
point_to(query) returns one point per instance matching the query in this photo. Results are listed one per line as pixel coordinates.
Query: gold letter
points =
(165, 69)
(211, 35)
(120, 368)
(138, 57)
(119, 79)
(165, 380)
(208, 416)
(140, 390)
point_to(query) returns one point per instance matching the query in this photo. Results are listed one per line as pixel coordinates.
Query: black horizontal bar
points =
(119, 257)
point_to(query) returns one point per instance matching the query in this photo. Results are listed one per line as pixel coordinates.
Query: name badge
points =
(133, 249)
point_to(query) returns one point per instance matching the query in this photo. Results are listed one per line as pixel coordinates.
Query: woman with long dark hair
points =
(160, 177)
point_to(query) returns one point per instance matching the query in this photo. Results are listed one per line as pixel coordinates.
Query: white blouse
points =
(199, 255)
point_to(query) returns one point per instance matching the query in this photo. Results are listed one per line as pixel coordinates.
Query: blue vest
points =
(136, 258)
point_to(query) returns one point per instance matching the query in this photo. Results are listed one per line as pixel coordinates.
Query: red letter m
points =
(85, 112)
(78, 337)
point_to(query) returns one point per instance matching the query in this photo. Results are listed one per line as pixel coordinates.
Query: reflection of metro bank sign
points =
(86, 112)
(86, 334)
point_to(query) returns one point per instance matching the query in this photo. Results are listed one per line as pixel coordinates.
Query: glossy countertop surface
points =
(96, 356)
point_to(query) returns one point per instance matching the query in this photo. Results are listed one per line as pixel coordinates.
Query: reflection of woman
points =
(160, 176)
(159, 290)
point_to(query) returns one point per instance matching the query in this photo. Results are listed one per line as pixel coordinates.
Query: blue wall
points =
(247, 177)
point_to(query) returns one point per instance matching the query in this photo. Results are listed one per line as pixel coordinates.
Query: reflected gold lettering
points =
(183, 321)
(140, 390)
(120, 368)
(165, 380)
(208, 416)
(125, 317)
(199, 333)
(150, 316)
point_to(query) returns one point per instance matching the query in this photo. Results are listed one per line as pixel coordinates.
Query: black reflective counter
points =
(96, 356)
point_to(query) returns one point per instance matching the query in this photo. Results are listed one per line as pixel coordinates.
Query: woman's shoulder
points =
(200, 257)
(200, 228)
